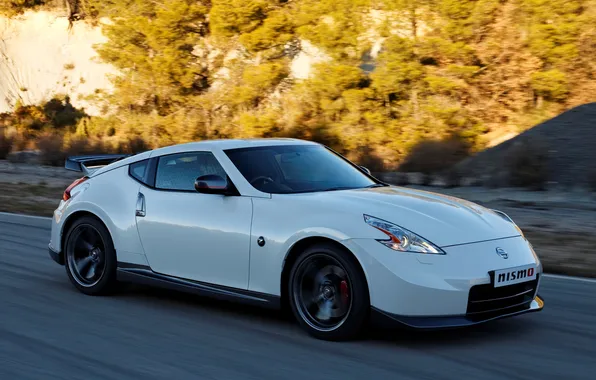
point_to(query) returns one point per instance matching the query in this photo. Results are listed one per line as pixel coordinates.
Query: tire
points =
(89, 244)
(326, 281)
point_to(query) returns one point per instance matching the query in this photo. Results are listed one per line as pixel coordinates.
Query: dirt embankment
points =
(560, 225)
(567, 142)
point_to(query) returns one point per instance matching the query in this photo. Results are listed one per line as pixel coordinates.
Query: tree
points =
(446, 69)
(334, 25)
(14, 7)
(231, 17)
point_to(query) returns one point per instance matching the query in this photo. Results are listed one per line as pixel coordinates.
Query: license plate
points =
(515, 275)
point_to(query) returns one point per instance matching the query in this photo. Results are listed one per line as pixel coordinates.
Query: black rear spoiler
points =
(88, 164)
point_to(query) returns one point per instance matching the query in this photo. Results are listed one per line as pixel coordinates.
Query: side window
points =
(140, 171)
(179, 171)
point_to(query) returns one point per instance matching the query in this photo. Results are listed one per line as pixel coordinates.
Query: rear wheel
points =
(328, 293)
(90, 257)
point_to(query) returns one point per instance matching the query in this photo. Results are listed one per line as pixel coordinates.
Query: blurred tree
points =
(399, 72)
(14, 7)
(334, 25)
(231, 17)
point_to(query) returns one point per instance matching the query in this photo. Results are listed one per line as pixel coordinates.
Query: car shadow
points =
(231, 308)
(495, 331)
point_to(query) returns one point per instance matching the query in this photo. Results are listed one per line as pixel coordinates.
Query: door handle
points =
(140, 205)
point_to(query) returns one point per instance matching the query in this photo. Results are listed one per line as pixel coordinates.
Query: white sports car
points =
(284, 222)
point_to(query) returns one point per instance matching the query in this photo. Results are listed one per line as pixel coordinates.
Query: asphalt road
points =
(48, 330)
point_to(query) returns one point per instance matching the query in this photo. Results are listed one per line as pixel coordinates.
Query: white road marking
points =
(571, 278)
(25, 216)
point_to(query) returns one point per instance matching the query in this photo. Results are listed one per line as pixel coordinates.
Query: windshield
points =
(291, 169)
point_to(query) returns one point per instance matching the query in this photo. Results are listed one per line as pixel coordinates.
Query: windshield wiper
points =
(339, 188)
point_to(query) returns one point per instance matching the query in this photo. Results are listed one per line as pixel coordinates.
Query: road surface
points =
(48, 330)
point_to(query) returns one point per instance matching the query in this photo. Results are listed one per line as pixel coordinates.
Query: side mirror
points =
(366, 170)
(212, 184)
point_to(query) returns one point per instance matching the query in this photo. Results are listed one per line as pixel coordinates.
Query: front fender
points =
(282, 223)
(267, 261)
(313, 232)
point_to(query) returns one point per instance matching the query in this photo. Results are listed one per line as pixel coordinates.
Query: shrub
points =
(50, 146)
(527, 164)
(5, 145)
(77, 145)
(427, 179)
(551, 84)
(402, 179)
(134, 145)
(434, 156)
(453, 177)
(366, 157)
(54, 148)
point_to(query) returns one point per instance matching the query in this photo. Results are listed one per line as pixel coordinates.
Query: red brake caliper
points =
(345, 292)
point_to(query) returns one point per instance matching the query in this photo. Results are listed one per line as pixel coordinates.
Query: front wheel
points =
(90, 257)
(328, 293)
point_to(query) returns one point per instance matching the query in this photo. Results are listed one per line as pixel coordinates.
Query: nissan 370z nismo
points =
(283, 222)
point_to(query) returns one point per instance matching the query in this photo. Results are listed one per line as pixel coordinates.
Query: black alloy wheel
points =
(328, 293)
(90, 257)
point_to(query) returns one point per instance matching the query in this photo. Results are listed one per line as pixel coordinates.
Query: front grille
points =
(485, 300)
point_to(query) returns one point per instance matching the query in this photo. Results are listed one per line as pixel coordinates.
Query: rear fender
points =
(111, 197)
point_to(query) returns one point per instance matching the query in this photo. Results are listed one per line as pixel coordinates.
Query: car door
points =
(190, 235)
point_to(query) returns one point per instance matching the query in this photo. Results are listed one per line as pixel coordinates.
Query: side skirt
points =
(140, 274)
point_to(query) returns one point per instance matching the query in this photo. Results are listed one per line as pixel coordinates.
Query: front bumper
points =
(453, 289)
(385, 319)
(56, 256)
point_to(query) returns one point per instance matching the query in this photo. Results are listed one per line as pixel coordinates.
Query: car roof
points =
(208, 145)
(225, 144)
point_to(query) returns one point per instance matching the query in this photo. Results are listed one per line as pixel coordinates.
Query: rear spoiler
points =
(88, 164)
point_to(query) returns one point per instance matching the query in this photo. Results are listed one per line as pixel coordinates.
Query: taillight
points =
(66, 195)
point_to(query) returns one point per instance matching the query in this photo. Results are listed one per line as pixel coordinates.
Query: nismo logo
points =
(516, 275)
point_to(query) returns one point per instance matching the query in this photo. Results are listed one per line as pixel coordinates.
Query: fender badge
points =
(261, 241)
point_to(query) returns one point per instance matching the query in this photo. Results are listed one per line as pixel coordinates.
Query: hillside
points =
(371, 78)
(567, 142)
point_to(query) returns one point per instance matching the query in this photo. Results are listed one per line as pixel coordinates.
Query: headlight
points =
(507, 218)
(401, 239)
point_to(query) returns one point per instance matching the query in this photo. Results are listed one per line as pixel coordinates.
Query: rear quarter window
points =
(141, 171)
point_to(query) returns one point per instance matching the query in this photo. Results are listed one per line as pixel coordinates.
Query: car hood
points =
(442, 219)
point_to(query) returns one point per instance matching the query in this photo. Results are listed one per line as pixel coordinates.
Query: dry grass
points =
(29, 199)
(572, 254)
